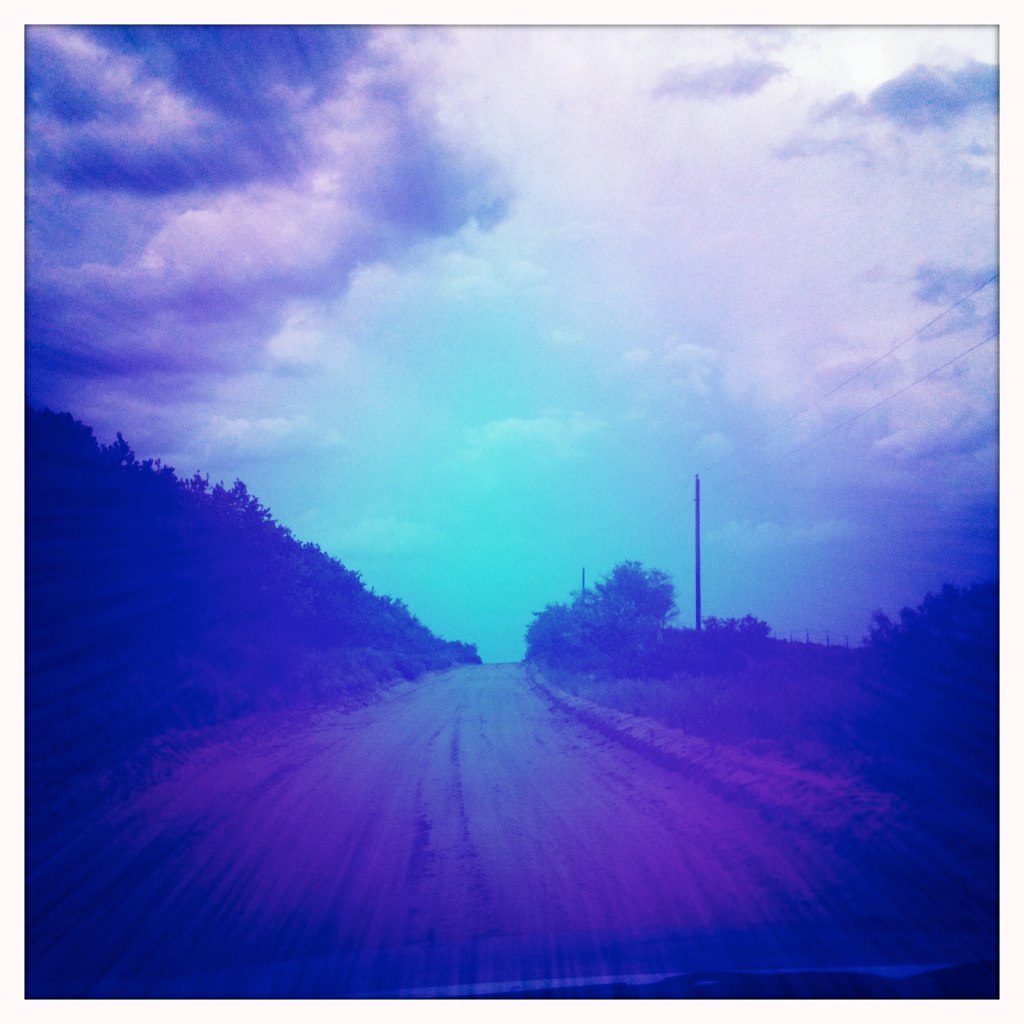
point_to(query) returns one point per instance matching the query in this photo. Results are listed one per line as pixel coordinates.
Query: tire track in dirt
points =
(472, 828)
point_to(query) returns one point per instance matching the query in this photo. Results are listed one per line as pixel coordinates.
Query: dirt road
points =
(465, 834)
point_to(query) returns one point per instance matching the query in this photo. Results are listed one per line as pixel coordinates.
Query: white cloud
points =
(681, 210)
(555, 433)
(382, 535)
(694, 368)
(564, 336)
(715, 81)
(252, 235)
(770, 535)
(223, 436)
(299, 342)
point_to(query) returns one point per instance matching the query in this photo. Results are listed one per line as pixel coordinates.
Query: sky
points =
(471, 307)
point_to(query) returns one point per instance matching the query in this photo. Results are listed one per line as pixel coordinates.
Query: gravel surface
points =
(472, 833)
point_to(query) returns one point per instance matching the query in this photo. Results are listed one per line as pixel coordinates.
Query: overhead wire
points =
(869, 409)
(853, 376)
(864, 412)
(867, 366)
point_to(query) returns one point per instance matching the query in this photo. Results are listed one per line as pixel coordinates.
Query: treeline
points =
(913, 712)
(934, 670)
(922, 689)
(154, 602)
(622, 627)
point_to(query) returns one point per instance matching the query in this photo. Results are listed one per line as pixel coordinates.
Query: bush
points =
(155, 603)
(622, 628)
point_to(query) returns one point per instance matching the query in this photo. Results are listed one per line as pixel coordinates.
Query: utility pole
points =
(696, 501)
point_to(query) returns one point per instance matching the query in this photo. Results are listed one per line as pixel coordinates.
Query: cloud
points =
(931, 96)
(233, 436)
(563, 336)
(694, 368)
(715, 81)
(239, 171)
(556, 433)
(924, 96)
(102, 118)
(807, 145)
(939, 438)
(261, 72)
(943, 285)
(157, 109)
(771, 535)
(382, 535)
(297, 345)
(225, 427)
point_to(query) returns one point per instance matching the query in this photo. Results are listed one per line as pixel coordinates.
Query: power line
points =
(864, 412)
(853, 376)
(670, 509)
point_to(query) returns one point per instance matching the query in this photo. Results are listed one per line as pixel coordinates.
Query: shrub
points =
(622, 628)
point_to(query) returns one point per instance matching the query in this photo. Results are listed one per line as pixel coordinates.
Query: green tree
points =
(644, 594)
(747, 630)
(633, 607)
(618, 627)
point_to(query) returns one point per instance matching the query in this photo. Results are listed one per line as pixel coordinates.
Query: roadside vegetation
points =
(615, 645)
(913, 712)
(623, 627)
(922, 682)
(155, 603)
(927, 668)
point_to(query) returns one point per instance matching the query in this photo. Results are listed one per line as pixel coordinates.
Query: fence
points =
(822, 637)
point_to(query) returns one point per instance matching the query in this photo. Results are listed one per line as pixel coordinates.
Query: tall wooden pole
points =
(697, 540)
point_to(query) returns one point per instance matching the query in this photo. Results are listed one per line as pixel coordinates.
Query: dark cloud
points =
(924, 96)
(944, 285)
(810, 146)
(712, 81)
(82, 326)
(185, 185)
(157, 168)
(968, 435)
(846, 104)
(240, 69)
(424, 188)
(205, 317)
(158, 109)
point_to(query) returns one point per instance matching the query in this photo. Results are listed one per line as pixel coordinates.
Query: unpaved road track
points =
(462, 835)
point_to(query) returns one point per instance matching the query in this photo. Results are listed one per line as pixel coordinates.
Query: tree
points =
(629, 616)
(644, 594)
(955, 629)
(619, 627)
(747, 630)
